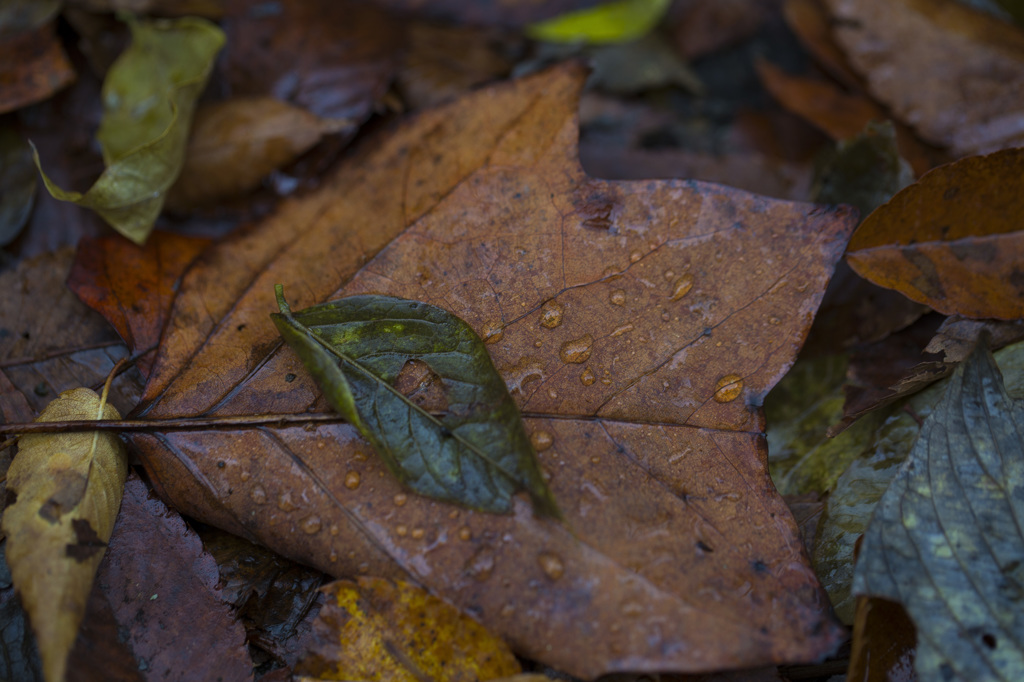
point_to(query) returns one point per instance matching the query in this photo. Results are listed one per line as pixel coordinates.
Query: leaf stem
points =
(180, 424)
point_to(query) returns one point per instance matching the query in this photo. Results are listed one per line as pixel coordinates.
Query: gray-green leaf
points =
(474, 452)
(946, 541)
(149, 95)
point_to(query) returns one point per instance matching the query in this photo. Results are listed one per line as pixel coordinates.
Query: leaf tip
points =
(282, 304)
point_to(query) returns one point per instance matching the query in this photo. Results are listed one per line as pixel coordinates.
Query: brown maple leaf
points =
(637, 324)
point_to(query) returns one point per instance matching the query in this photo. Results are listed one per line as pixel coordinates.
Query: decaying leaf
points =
(618, 21)
(636, 324)
(132, 286)
(953, 239)
(235, 143)
(884, 641)
(33, 65)
(477, 455)
(148, 97)
(945, 540)
(376, 629)
(68, 489)
(951, 72)
(162, 588)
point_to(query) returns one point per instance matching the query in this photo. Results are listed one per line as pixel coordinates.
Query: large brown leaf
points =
(637, 324)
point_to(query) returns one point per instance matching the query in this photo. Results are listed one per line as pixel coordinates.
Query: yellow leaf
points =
(381, 630)
(68, 488)
(614, 22)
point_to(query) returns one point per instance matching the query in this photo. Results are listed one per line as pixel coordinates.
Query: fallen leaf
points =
(17, 184)
(647, 426)
(333, 59)
(45, 350)
(952, 240)
(68, 489)
(443, 62)
(810, 22)
(882, 452)
(943, 540)
(952, 73)
(33, 66)
(619, 21)
(358, 348)
(375, 629)
(237, 142)
(20, 659)
(162, 588)
(884, 640)
(149, 95)
(701, 27)
(276, 599)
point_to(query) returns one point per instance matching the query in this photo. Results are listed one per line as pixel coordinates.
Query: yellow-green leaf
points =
(148, 99)
(614, 22)
(68, 489)
(381, 630)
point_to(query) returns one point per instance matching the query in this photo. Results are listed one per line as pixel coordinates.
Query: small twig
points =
(181, 424)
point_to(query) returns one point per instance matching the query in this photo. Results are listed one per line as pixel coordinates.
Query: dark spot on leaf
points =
(240, 327)
(10, 498)
(703, 546)
(51, 511)
(946, 670)
(41, 389)
(221, 464)
(289, 377)
(87, 542)
(759, 566)
(989, 640)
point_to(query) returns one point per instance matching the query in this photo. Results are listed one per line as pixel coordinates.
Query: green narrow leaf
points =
(476, 453)
(611, 22)
(946, 541)
(148, 99)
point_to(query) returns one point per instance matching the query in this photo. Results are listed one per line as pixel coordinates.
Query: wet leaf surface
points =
(133, 286)
(67, 490)
(969, 104)
(944, 542)
(162, 588)
(357, 349)
(376, 629)
(884, 641)
(952, 240)
(149, 96)
(637, 325)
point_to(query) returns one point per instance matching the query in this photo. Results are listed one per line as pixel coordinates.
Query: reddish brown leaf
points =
(133, 286)
(810, 22)
(953, 239)
(884, 643)
(951, 72)
(33, 66)
(334, 59)
(162, 587)
(678, 306)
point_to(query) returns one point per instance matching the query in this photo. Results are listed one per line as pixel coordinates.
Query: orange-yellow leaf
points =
(376, 629)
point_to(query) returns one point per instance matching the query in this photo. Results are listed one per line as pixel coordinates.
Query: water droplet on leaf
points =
(541, 440)
(417, 533)
(401, 530)
(576, 351)
(587, 377)
(617, 297)
(400, 499)
(551, 314)
(465, 533)
(258, 495)
(352, 480)
(551, 564)
(682, 287)
(728, 388)
(284, 502)
(310, 525)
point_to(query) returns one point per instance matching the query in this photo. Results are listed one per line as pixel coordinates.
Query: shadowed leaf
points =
(148, 96)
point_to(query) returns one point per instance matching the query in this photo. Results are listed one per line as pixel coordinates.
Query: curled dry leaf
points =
(376, 629)
(952, 73)
(234, 144)
(149, 95)
(953, 239)
(636, 324)
(68, 489)
(945, 540)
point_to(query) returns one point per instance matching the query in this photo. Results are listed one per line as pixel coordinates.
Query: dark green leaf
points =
(945, 539)
(148, 97)
(475, 453)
